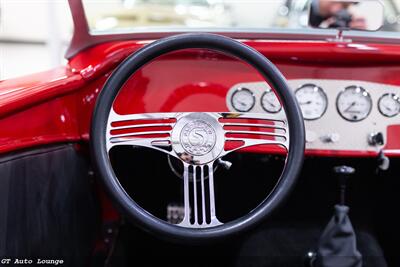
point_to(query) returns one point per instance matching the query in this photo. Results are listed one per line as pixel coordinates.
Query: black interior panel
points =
(47, 206)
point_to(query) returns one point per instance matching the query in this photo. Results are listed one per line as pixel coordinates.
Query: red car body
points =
(56, 106)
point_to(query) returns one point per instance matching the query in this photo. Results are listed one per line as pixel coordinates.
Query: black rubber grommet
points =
(226, 45)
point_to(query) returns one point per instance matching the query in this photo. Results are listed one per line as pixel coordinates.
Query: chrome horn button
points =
(198, 138)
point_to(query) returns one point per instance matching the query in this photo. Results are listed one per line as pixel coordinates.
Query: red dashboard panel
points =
(56, 106)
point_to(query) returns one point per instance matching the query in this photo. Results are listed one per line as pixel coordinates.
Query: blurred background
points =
(34, 34)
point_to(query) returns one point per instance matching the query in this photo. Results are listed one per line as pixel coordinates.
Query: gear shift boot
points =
(337, 244)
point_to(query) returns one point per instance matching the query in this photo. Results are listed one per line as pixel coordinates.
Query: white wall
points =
(255, 13)
(23, 23)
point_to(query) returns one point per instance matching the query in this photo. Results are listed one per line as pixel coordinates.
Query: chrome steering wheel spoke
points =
(151, 130)
(199, 198)
(253, 129)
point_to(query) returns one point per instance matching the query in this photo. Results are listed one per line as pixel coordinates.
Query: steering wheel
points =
(198, 140)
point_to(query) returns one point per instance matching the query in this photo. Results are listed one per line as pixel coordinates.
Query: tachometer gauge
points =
(354, 103)
(312, 100)
(243, 100)
(389, 105)
(270, 102)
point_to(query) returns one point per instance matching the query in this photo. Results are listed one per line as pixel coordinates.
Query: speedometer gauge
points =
(312, 100)
(243, 100)
(270, 102)
(389, 105)
(354, 103)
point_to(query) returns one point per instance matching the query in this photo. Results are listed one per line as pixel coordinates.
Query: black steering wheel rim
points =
(137, 60)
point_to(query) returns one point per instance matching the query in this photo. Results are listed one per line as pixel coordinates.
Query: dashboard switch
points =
(331, 138)
(376, 139)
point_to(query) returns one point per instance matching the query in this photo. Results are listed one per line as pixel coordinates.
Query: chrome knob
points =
(376, 139)
(331, 138)
(225, 164)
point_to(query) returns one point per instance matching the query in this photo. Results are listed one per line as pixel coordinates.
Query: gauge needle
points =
(242, 103)
(305, 103)
(388, 108)
(352, 105)
(272, 104)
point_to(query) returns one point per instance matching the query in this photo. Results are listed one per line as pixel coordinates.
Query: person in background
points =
(335, 14)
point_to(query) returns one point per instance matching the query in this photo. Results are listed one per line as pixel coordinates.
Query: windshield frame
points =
(83, 38)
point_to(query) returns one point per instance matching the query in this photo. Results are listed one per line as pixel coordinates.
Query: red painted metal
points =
(393, 136)
(50, 122)
(20, 93)
(32, 107)
(100, 58)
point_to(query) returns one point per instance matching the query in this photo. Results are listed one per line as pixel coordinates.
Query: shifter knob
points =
(344, 170)
(343, 173)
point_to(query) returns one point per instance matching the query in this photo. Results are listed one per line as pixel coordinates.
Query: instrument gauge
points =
(312, 100)
(243, 100)
(354, 103)
(389, 105)
(270, 102)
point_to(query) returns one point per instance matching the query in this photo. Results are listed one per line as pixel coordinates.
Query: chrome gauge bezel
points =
(320, 90)
(362, 91)
(241, 89)
(395, 97)
(269, 91)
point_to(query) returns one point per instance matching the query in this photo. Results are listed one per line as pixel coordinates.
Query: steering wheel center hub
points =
(198, 137)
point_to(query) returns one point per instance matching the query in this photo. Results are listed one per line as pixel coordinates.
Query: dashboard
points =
(326, 77)
(338, 114)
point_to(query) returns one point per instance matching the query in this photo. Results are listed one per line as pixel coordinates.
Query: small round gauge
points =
(270, 102)
(354, 103)
(243, 100)
(389, 105)
(312, 100)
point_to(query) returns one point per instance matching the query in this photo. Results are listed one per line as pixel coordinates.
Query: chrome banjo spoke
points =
(254, 129)
(198, 140)
(199, 207)
(152, 130)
